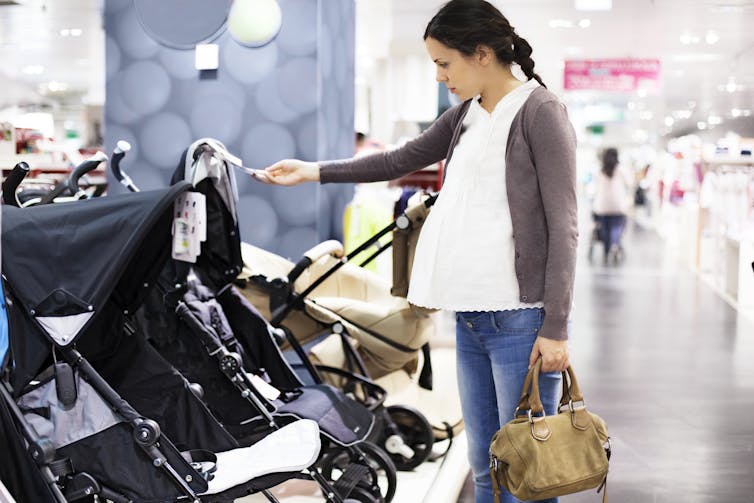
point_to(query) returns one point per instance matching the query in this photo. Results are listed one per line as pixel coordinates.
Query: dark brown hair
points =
(464, 25)
(609, 161)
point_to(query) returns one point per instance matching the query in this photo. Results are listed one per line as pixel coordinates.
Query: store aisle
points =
(670, 366)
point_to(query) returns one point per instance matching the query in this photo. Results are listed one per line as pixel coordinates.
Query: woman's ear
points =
(484, 55)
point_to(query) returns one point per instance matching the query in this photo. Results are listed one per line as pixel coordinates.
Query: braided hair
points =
(464, 25)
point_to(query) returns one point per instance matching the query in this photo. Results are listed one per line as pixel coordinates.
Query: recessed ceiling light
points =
(714, 120)
(701, 125)
(33, 69)
(560, 23)
(669, 121)
(712, 38)
(585, 23)
(686, 39)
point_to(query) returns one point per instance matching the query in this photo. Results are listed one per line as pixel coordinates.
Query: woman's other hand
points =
(554, 354)
(292, 172)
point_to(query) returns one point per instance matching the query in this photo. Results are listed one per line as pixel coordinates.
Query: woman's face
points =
(461, 74)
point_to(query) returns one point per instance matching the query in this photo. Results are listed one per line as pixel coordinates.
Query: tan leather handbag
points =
(536, 457)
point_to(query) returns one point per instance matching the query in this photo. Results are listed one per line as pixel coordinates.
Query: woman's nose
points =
(440, 77)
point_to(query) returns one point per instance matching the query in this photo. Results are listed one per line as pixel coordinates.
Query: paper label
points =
(189, 226)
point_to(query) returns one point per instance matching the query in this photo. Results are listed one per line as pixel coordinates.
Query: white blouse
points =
(464, 259)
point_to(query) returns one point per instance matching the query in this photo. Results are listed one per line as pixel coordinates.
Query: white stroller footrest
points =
(289, 449)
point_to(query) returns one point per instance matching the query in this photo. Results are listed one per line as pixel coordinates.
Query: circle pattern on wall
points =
(181, 24)
(254, 23)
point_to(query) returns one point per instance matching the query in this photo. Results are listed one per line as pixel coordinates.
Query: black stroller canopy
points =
(63, 261)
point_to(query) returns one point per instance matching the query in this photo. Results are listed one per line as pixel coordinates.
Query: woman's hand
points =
(554, 354)
(292, 172)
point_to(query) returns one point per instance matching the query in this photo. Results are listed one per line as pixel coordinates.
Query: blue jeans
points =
(493, 349)
(611, 229)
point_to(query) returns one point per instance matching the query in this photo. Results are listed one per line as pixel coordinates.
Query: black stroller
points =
(86, 408)
(198, 321)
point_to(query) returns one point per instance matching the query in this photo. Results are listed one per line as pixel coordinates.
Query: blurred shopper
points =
(610, 205)
(499, 247)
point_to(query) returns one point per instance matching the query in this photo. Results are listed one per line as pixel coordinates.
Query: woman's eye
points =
(443, 65)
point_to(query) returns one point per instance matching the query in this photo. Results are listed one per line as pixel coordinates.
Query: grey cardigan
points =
(541, 184)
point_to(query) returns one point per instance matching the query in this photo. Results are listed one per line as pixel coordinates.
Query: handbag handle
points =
(530, 400)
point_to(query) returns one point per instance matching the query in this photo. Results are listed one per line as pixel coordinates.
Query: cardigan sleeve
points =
(426, 149)
(553, 146)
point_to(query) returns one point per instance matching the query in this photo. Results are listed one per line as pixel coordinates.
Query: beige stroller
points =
(374, 331)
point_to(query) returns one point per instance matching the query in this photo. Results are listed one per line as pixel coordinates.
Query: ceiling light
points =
(714, 120)
(642, 93)
(76, 32)
(585, 23)
(701, 125)
(712, 38)
(682, 114)
(669, 121)
(55, 86)
(686, 39)
(65, 32)
(593, 4)
(646, 116)
(731, 85)
(736, 112)
(33, 69)
(560, 23)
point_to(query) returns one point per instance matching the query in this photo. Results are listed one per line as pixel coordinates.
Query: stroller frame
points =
(358, 482)
(61, 482)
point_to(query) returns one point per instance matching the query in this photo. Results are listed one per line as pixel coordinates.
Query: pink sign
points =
(622, 75)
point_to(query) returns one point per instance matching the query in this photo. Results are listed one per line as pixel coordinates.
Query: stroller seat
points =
(292, 448)
(388, 330)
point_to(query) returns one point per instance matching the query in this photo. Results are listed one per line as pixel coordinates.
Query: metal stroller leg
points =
(40, 448)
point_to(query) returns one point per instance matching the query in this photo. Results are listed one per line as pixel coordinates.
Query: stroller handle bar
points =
(72, 184)
(10, 185)
(84, 168)
(329, 247)
(119, 152)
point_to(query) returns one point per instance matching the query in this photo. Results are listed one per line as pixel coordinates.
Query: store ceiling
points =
(696, 73)
(56, 48)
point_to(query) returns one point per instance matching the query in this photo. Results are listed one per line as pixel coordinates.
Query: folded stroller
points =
(86, 408)
(197, 320)
(375, 331)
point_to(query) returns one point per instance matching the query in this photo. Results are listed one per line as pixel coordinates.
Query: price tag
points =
(189, 226)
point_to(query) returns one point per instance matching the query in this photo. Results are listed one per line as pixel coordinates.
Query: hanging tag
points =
(189, 226)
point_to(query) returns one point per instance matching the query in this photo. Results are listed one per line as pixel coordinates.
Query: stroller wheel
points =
(361, 494)
(380, 481)
(416, 433)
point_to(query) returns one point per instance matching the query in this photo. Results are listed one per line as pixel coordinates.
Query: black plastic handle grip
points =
(119, 152)
(82, 169)
(10, 185)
